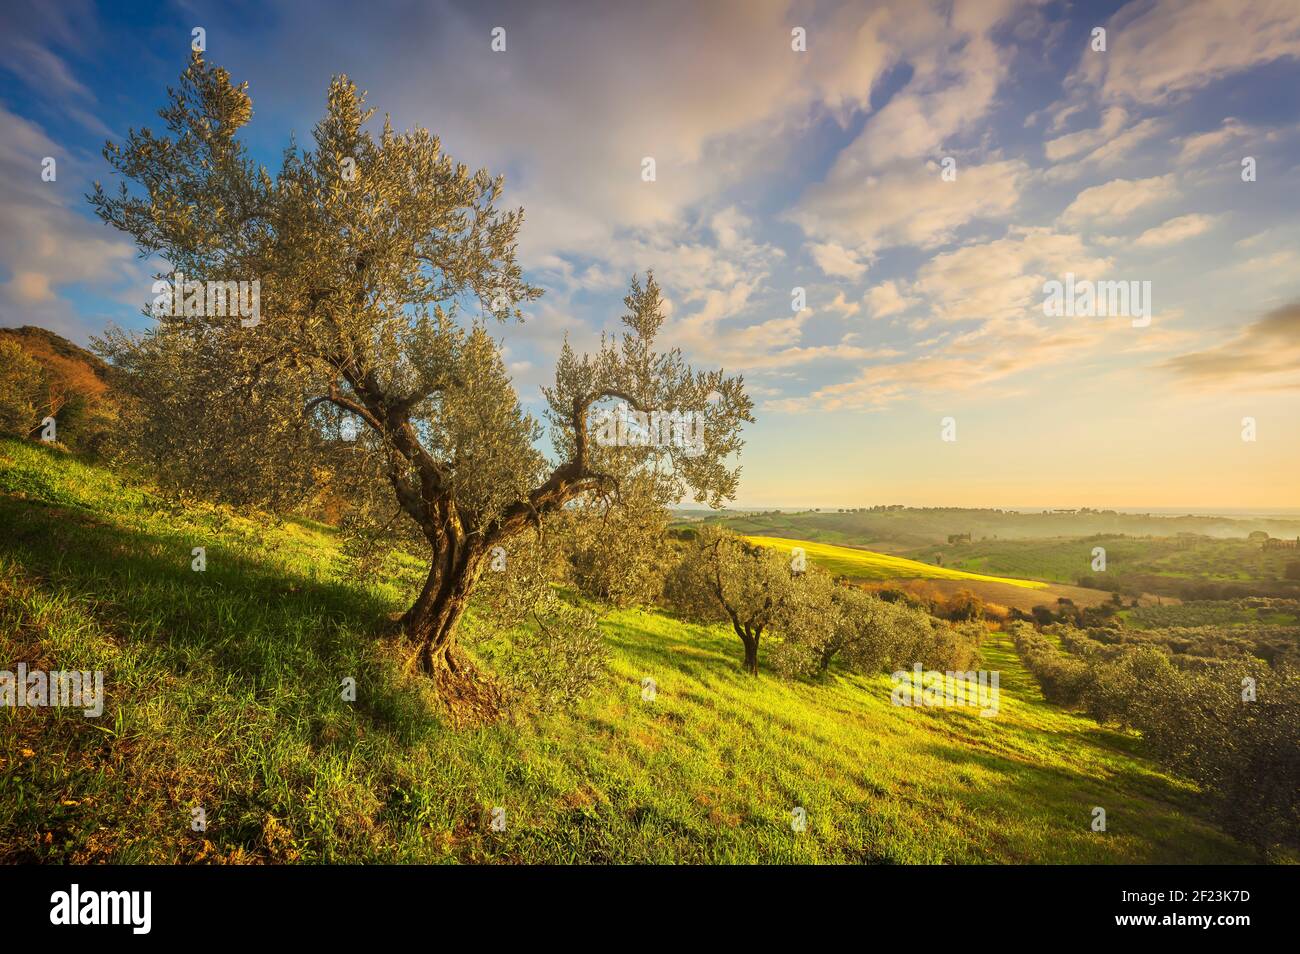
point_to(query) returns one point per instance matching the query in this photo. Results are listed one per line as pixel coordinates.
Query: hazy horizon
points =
(1283, 513)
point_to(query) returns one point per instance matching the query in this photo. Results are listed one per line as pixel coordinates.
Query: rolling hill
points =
(866, 565)
(223, 694)
(935, 582)
(79, 389)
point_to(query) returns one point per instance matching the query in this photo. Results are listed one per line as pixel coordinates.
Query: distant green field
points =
(1066, 560)
(865, 565)
(909, 530)
(1230, 613)
(1185, 557)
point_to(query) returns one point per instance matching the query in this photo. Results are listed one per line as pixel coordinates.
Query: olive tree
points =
(369, 361)
(617, 555)
(845, 624)
(722, 577)
(867, 634)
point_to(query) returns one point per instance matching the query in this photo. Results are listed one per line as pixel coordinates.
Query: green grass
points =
(223, 693)
(866, 565)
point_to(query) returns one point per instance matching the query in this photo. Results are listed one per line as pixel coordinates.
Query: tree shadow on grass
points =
(254, 623)
(692, 650)
(1058, 799)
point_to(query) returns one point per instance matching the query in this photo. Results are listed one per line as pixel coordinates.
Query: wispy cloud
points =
(1264, 356)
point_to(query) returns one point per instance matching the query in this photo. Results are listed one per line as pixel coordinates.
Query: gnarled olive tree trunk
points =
(750, 638)
(750, 653)
(430, 625)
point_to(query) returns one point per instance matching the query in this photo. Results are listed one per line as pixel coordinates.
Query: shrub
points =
(22, 386)
(868, 634)
(1243, 753)
(1062, 678)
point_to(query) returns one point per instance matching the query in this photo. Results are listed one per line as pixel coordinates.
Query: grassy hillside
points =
(59, 354)
(223, 693)
(865, 565)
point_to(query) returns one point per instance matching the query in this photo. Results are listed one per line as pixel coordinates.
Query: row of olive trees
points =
(719, 577)
(626, 557)
(1232, 728)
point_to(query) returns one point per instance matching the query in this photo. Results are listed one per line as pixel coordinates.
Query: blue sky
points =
(779, 169)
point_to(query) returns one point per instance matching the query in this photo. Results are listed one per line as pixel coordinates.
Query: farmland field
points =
(933, 582)
(1066, 560)
(866, 565)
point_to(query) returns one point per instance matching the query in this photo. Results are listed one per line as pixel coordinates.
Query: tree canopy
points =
(381, 263)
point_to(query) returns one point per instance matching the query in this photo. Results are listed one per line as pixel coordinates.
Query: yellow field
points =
(867, 565)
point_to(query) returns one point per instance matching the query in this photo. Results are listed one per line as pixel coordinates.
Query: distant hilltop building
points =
(959, 538)
(1274, 543)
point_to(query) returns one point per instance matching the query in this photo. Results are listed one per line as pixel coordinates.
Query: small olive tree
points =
(845, 619)
(867, 634)
(722, 577)
(369, 363)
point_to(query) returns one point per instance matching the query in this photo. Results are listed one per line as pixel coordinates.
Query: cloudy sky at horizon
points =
(778, 169)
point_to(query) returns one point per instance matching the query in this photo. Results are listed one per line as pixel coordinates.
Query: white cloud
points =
(1175, 230)
(885, 299)
(884, 188)
(45, 244)
(993, 280)
(909, 204)
(728, 227)
(1109, 154)
(837, 261)
(998, 353)
(572, 147)
(956, 70)
(841, 305)
(1112, 121)
(1195, 146)
(1119, 199)
(1163, 50)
